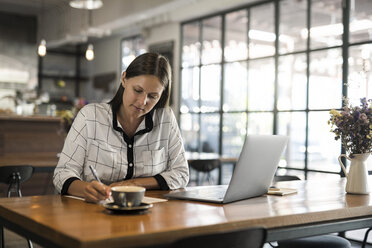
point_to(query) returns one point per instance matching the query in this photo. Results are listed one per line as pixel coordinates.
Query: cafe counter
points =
(33, 140)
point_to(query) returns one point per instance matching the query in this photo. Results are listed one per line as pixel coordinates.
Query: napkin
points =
(281, 191)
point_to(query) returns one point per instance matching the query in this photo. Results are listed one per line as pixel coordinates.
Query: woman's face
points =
(141, 94)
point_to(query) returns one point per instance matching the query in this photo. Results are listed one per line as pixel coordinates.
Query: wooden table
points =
(318, 207)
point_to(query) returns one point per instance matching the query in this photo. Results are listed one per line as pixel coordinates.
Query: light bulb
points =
(89, 54)
(42, 48)
(86, 4)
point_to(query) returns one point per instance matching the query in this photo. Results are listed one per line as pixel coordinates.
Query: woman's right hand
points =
(96, 191)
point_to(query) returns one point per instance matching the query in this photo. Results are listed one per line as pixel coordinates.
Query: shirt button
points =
(130, 164)
(130, 146)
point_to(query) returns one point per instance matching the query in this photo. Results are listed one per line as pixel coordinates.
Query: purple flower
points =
(352, 126)
(363, 102)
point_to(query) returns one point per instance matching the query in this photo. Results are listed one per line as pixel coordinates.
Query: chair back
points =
(247, 238)
(205, 165)
(24, 171)
(15, 175)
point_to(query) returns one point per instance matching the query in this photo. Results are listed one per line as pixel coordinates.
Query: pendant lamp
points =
(41, 50)
(89, 54)
(86, 4)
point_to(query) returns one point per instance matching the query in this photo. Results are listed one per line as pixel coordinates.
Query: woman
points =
(132, 140)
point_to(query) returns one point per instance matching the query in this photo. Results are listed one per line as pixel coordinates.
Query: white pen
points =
(94, 173)
(97, 178)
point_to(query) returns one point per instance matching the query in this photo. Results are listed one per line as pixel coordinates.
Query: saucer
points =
(116, 208)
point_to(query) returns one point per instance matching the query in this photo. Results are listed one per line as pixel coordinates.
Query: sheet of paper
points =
(150, 200)
(146, 199)
(74, 197)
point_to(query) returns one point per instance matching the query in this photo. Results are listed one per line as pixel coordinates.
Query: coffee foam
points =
(128, 189)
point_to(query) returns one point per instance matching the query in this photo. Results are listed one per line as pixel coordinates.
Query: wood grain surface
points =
(73, 223)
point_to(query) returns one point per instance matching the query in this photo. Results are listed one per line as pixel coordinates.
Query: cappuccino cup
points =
(127, 196)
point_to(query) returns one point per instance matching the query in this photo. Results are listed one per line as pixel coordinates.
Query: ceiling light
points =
(261, 35)
(86, 4)
(337, 28)
(42, 48)
(89, 54)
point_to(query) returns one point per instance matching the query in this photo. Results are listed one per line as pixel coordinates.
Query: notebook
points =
(252, 175)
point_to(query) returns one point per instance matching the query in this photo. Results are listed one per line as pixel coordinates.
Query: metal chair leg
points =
(17, 178)
(19, 189)
(10, 189)
(365, 238)
(30, 244)
(2, 237)
(15, 182)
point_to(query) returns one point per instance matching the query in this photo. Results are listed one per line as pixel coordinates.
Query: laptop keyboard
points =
(213, 193)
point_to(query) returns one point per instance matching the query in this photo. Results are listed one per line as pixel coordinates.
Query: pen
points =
(97, 178)
(94, 173)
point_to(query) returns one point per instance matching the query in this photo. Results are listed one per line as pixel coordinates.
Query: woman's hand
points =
(96, 191)
(93, 191)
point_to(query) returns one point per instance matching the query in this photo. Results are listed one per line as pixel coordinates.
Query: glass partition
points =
(275, 67)
(212, 34)
(321, 155)
(292, 82)
(326, 24)
(130, 49)
(293, 125)
(360, 25)
(235, 87)
(236, 29)
(360, 73)
(191, 44)
(325, 81)
(210, 88)
(292, 25)
(261, 32)
(261, 84)
(233, 133)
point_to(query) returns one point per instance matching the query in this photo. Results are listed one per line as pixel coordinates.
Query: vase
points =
(357, 177)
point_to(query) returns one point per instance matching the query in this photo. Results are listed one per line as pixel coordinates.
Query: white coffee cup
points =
(128, 196)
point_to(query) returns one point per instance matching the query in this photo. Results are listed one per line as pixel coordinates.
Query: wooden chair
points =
(329, 241)
(204, 166)
(14, 176)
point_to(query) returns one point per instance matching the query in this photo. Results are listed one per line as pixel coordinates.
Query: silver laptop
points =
(252, 175)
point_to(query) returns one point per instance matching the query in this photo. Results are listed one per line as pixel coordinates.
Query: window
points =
(130, 49)
(275, 67)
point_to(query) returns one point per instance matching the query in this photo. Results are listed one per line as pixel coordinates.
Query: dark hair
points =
(147, 64)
